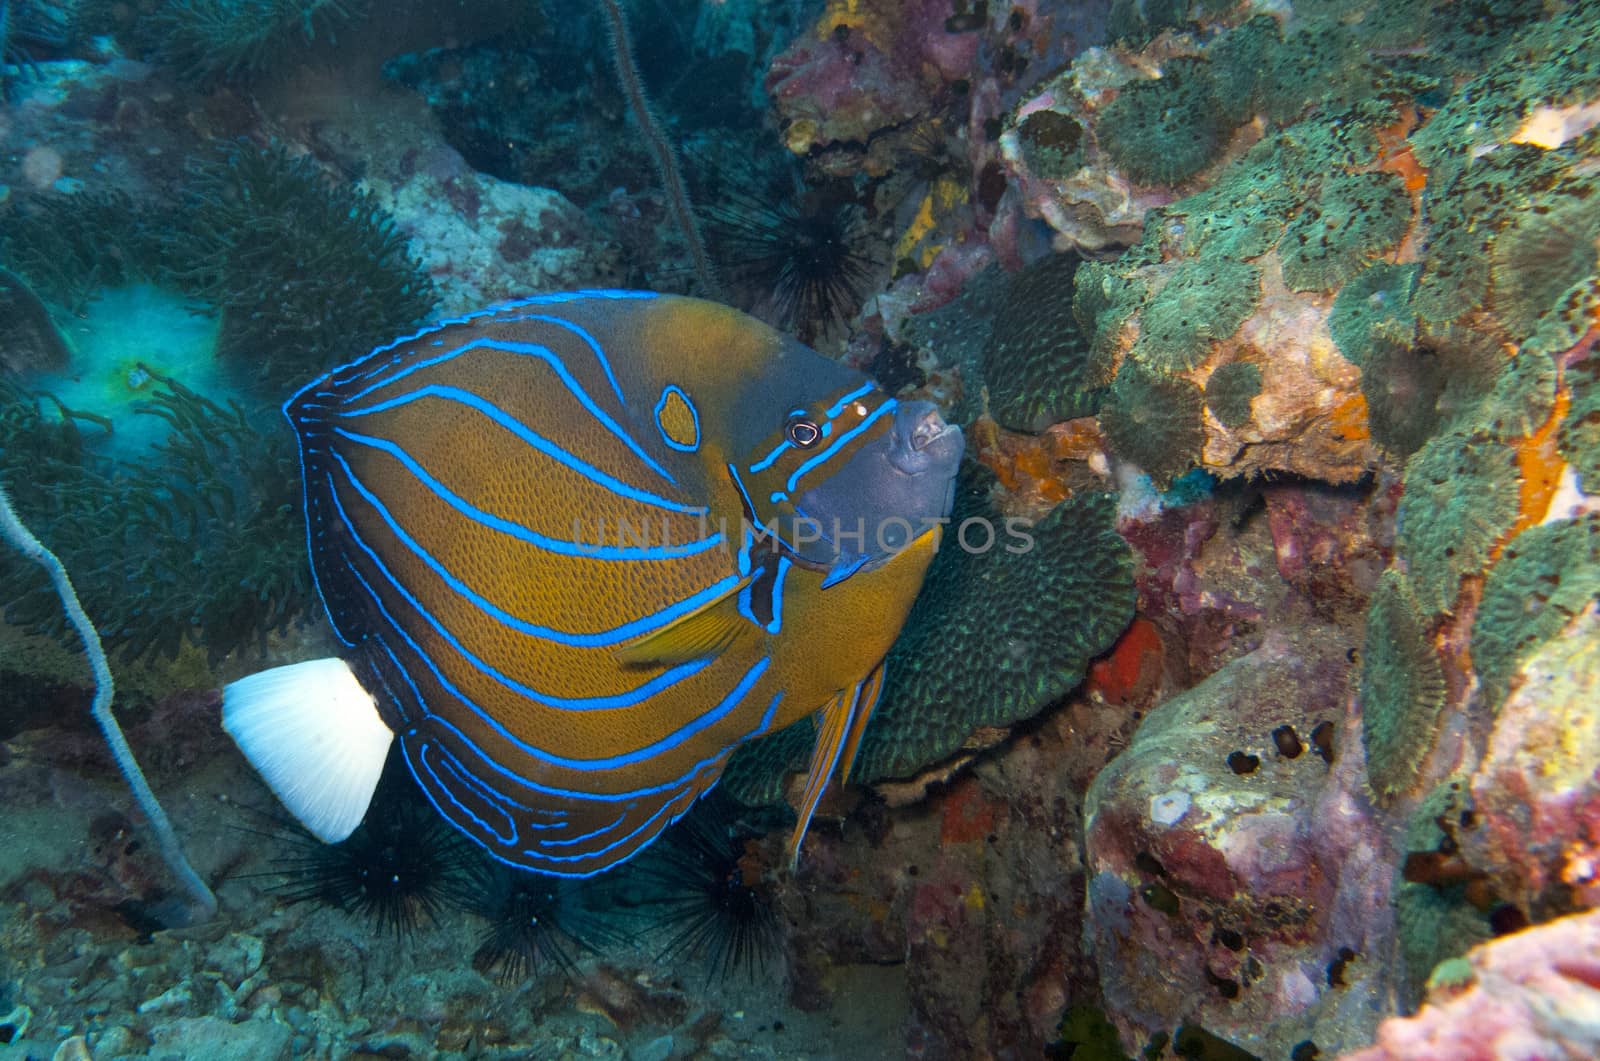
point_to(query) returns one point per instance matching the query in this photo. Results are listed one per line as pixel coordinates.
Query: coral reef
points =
(1315, 292)
(1036, 363)
(1154, 422)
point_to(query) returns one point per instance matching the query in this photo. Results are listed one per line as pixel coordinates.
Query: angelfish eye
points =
(803, 433)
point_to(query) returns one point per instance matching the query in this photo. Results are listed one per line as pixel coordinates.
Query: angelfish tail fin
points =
(315, 737)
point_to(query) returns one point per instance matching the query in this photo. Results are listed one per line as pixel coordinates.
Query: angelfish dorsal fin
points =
(315, 737)
(839, 731)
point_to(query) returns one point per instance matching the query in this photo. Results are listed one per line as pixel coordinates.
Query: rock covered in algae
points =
(1529, 995)
(1344, 177)
(1231, 860)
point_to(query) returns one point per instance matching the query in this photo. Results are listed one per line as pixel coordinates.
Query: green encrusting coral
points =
(1460, 498)
(1154, 422)
(1402, 689)
(1200, 303)
(1402, 384)
(1052, 143)
(1538, 258)
(995, 637)
(1545, 577)
(1355, 217)
(1164, 130)
(1374, 306)
(1036, 364)
(1231, 389)
(1523, 396)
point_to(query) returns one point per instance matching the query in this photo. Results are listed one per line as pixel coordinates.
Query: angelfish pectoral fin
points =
(839, 731)
(315, 737)
(707, 631)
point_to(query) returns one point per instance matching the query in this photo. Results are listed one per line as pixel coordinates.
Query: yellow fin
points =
(707, 631)
(838, 737)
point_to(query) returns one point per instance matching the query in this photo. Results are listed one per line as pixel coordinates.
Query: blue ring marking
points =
(650, 825)
(827, 428)
(523, 533)
(583, 334)
(592, 834)
(669, 389)
(627, 632)
(672, 740)
(461, 777)
(776, 496)
(776, 625)
(840, 442)
(838, 407)
(534, 350)
(526, 435)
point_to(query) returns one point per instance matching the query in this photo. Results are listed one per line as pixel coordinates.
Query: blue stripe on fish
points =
(584, 335)
(526, 534)
(523, 782)
(532, 439)
(510, 835)
(538, 352)
(776, 625)
(632, 698)
(860, 392)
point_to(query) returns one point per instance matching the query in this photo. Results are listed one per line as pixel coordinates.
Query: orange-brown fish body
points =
(565, 542)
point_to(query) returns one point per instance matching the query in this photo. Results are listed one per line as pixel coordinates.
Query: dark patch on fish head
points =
(841, 470)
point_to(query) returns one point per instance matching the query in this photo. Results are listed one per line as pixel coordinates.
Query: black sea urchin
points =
(402, 866)
(534, 921)
(709, 895)
(796, 262)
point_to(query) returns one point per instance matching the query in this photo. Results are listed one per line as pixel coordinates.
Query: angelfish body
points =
(578, 548)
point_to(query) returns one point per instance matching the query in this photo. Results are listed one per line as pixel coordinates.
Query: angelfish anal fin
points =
(315, 737)
(840, 725)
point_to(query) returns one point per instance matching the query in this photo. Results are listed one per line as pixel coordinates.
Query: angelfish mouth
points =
(923, 440)
(930, 429)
